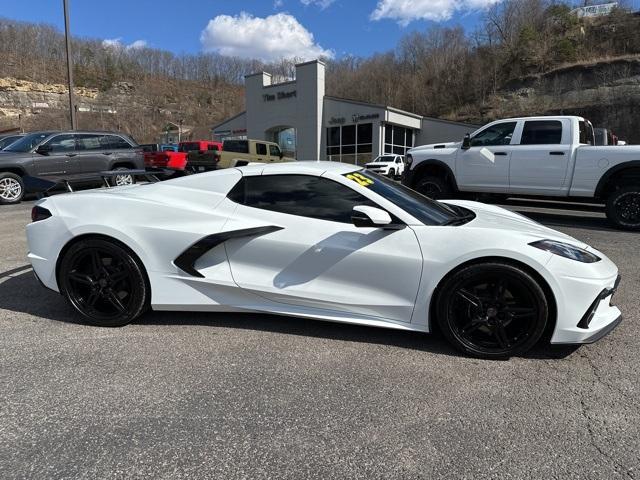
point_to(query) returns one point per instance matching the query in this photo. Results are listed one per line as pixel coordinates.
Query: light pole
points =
(67, 39)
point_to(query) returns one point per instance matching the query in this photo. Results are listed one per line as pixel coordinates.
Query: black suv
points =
(42, 154)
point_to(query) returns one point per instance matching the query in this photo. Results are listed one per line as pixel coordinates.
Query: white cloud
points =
(321, 3)
(405, 11)
(116, 44)
(272, 38)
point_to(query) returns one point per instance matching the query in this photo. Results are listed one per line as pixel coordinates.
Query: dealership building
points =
(310, 125)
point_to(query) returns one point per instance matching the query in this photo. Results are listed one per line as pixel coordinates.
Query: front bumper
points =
(586, 313)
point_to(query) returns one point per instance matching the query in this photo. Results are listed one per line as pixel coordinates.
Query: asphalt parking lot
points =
(253, 396)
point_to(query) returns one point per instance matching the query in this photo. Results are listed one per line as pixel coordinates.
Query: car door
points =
(261, 152)
(274, 153)
(315, 258)
(91, 156)
(62, 150)
(484, 167)
(540, 162)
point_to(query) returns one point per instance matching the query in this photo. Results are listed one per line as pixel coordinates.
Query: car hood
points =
(497, 218)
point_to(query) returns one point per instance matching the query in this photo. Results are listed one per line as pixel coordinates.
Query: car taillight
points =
(39, 213)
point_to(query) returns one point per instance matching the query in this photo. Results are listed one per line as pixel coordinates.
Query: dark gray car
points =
(42, 154)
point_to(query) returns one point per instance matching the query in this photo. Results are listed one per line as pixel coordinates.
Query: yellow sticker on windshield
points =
(360, 179)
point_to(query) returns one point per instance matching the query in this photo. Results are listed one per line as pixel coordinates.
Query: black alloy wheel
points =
(433, 187)
(623, 208)
(492, 310)
(104, 282)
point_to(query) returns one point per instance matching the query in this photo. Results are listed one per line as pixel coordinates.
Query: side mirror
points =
(44, 150)
(364, 216)
(466, 142)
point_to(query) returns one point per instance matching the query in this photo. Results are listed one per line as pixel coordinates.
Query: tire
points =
(491, 310)
(391, 174)
(623, 207)
(122, 180)
(433, 187)
(11, 188)
(104, 282)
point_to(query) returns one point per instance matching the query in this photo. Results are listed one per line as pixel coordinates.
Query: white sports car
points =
(324, 240)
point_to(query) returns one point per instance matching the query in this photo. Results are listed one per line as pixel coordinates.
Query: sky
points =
(262, 29)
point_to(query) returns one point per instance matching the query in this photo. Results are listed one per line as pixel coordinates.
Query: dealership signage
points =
(595, 10)
(355, 118)
(270, 97)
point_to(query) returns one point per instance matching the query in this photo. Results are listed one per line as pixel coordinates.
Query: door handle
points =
(106, 153)
(556, 153)
(71, 154)
(501, 153)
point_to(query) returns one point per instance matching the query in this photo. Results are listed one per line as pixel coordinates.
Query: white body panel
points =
(309, 267)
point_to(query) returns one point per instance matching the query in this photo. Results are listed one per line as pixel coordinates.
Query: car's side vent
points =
(186, 260)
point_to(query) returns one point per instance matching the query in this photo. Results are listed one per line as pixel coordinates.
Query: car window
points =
(237, 146)
(261, 149)
(88, 142)
(302, 195)
(541, 132)
(212, 147)
(62, 143)
(424, 209)
(499, 134)
(588, 135)
(116, 142)
(6, 141)
(274, 150)
(28, 142)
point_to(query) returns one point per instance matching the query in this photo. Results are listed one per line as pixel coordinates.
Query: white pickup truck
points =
(533, 156)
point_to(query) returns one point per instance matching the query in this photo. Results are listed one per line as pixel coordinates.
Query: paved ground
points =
(253, 396)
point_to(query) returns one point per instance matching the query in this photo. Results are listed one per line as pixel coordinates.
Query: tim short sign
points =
(595, 10)
(270, 97)
(355, 118)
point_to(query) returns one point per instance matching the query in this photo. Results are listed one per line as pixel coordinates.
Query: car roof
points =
(299, 167)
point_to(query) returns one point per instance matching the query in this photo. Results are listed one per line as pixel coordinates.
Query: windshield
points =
(28, 142)
(385, 159)
(6, 141)
(428, 211)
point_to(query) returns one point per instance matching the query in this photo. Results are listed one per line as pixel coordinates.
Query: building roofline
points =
(257, 73)
(375, 105)
(229, 119)
(451, 122)
(310, 62)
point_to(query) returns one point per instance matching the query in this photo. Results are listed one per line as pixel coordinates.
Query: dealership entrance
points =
(310, 125)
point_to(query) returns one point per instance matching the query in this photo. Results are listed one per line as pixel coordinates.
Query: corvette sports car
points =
(322, 240)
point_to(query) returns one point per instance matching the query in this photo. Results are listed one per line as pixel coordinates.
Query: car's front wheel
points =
(104, 282)
(492, 310)
(124, 179)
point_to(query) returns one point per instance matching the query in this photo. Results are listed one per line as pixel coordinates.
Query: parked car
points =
(6, 140)
(323, 240)
(236, 153)
(390, 165)
(202, 155)
(533, 156)
(50, 153)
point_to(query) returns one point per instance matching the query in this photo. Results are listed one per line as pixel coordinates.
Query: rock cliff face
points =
(605, 92)
(142, 110)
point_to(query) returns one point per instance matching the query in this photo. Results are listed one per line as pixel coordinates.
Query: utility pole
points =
(67, 38)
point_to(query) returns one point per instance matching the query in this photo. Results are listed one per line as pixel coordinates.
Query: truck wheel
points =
(11, 188)
(623, 207)
(391, 174)
(126, 179)
(433, 187)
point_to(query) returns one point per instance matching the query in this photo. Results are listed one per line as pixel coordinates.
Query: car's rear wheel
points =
(492, 310)
(125, 179)
(623, 207)
(104, 282)
(11, 188)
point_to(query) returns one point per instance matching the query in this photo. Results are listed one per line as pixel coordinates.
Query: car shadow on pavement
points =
(22, 293)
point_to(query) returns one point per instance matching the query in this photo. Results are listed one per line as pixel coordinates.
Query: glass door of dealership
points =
(397, 139)
(350, 143)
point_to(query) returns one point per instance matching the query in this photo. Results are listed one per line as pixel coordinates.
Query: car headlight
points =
(566, 250)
